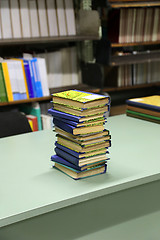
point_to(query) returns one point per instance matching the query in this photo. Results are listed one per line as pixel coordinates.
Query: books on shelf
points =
(43, 22)
(25, 20)
(52, 17)
(5, 19)
(134, 24)
(133, 74)
(33, 122)
(35, 31)
(82, 143)
(64, 71)
(36, 18)
(25, 78)
(15, 19)
(146, 108)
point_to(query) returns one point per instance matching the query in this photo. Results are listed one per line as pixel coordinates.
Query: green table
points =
(38, 202)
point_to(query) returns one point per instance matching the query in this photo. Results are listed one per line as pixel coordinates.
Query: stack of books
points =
(146, 108)
(82, 140)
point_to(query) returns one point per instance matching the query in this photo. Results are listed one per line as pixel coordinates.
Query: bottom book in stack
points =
(81, 156)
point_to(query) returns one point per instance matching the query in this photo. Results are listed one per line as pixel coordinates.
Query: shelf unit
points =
(117, 54)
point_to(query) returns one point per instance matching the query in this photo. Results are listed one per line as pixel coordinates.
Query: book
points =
(29, 78)
(78, 130)
(80, 155)
(86, 142)
(36, 77)
(82, 147)
(78, 119)
(15, 19)
(81, 113)
(34, 121)
(61, 18)
(143, 116)
(43, 23)
(70, 17)
(150, 102)
(3, 92)
(80, 99)
(75, 174)
(80, 161)
(25, 21)
(33, 109)
(84, 137)
(33, 13)
(7, 81)
(52, 18)
(41, 62)
(63, 161)
(143, 110)
(5, 19)
(46, 122)
(84, 124)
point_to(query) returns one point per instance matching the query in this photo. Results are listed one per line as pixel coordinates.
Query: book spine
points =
(66, 156)
(7, 81)
(3, 92)
(73, 153)
(62, 125)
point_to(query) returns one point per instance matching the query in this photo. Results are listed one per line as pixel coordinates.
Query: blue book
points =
(57, 158)
(77, 130)
(83, 161)
(67, 116)
(30, 78)
(36, 77)
(66, 167)
(78, 154)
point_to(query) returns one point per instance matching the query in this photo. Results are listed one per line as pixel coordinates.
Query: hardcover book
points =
(81, 112)
(143, 110)
(80, 99)
(58, 159)
(81, 155)
(143, 116)
(81, 161)
(82, 147)
(74, 118)
(150, 102)
(78, 130)
(84, 124)
(85, 142)
(84, 137)
(76, 174)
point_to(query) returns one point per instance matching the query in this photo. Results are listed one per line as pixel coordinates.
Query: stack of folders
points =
(145, 108)
(82, 140)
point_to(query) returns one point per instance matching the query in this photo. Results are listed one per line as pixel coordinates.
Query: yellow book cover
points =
(7, 81)
(80, 99)
(150, 102)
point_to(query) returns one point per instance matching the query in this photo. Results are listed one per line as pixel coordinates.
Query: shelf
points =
(135, 58)
(131, 3)
(138, 86)
(119, 45)
(24, 41)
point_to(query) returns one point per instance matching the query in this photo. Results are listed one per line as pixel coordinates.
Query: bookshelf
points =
(13, 46)
(126, 47)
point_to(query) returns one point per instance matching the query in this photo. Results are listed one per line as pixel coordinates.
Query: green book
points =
(143, 116)
(3, 92)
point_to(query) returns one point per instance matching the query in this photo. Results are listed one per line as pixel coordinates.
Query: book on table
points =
(145, 108)
(65, 167)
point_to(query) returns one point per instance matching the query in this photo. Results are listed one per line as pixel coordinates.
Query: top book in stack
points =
(80, 103)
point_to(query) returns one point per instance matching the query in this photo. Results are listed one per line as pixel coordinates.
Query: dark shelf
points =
(120, 45)
(45, 40)
(135, 58)
(131, 3)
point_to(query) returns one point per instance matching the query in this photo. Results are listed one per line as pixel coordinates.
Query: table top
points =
(29, 186)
